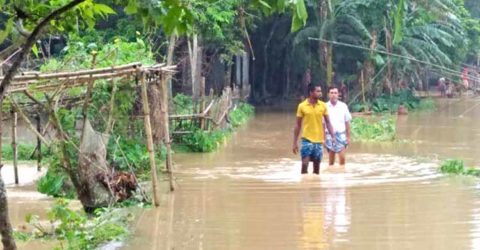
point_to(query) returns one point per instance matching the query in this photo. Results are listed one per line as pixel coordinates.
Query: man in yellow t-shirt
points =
(310, 115)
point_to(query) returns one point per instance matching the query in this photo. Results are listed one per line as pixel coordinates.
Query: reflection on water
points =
(325, 218)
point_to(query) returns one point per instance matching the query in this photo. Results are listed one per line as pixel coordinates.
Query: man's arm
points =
(347, 126)
(348, 119)
(296, 133)
(330, 128)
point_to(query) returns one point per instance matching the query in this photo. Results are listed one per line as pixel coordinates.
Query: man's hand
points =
(295, 148)
(348, 140)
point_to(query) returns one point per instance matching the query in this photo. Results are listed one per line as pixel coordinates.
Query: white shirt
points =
(338, 115)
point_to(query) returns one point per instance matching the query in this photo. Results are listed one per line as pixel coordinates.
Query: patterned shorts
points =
(341, 142)
(312, 150)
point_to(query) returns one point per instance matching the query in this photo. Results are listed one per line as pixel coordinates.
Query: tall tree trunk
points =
(238, 70)
(329, 65)
(266, 66)
(195, 54)
(326, 49)
(368, 65)
(228, 76)
(388, 46)
(171, 50)
(5, 227)
(287, 80)
(245, 74)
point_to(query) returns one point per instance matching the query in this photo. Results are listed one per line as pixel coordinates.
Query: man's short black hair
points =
(312, 87)
(332, 87)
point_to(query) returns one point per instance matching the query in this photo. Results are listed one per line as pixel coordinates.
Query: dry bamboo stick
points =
(97, 76)
(176, 117)
(111, 107)
(39, 144)
(31, 97)
(208, 108)
(28, 122)
(14, 144)
(166, 132)
(76, 73)
(148, 132)
(51, 87)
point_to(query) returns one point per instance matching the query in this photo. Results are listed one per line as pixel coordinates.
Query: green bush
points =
(55, 184)
(427, 104)
(133, 152)
(457, 167)
(75, 230)
(24, 151)
(390, 103)
(203, 141)
(182, 104)
(241, 114)
(375, 130)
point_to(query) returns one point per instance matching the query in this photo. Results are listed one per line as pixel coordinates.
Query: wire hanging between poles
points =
(450, 71)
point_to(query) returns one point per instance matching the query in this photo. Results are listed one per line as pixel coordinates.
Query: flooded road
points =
(250, 195)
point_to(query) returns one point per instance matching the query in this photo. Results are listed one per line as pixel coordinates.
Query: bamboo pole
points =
(202, 105)
(14, 144)
(29, 123)
(71, 80)
(39, 143)
(164, 110)
(148, 132)
(76, 73)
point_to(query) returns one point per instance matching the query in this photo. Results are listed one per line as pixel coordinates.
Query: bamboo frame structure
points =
(58, 82)
(213, 116)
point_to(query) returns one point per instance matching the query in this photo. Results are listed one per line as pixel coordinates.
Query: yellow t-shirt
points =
(312, 120)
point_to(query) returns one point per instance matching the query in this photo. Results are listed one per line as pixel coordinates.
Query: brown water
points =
(250, 195)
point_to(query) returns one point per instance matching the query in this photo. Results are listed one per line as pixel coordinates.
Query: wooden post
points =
(166, 133)
(148, 132)
(39, 143)
(202, 105)
(14, 144)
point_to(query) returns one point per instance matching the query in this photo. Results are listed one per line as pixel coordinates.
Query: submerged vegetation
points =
(457, 167)
(375, 129)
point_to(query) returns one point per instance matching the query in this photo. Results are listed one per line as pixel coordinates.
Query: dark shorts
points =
(312, 150)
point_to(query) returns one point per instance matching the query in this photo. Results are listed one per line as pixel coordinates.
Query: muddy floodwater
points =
(250, 194)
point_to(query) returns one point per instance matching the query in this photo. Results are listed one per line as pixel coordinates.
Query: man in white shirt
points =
(340, 118)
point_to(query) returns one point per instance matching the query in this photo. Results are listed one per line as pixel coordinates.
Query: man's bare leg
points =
(331, 158)
(305, 162)
(341, 157)
(316, 167)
